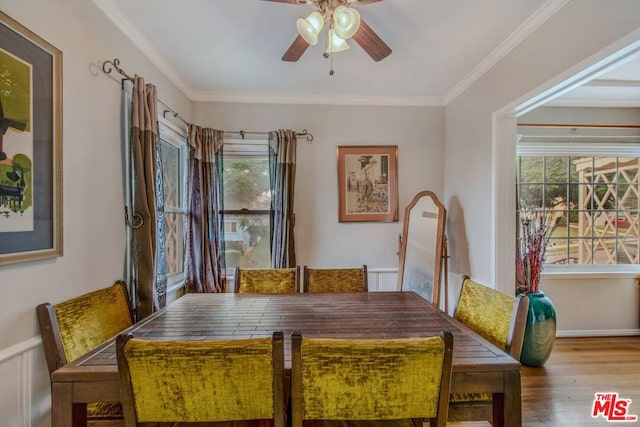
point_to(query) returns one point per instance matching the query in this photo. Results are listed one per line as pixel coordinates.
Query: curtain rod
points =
(109, 66)
(246, 134)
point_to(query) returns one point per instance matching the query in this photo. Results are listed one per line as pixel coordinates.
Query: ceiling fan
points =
(344, 23)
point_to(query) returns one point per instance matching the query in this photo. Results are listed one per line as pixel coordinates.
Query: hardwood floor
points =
(561, 393)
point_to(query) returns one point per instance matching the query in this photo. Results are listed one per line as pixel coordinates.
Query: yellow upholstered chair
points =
(267, 280)
(74, 327)
(373, 382)
(501, 320)
(202, 381)
(335, 279)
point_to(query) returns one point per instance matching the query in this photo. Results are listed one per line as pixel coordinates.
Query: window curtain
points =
(126, 100)
(148, 258)
(283, 176)
(203, 225)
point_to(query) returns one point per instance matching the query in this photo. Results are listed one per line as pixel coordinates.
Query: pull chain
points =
(330, 47)
(331, 70)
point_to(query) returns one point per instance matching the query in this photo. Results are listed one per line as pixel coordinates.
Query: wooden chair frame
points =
(305, 277)
(485, 410)
(443, 399)
(51, 338)
(56, 358)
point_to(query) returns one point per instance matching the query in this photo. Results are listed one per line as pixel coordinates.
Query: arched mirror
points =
(422, 247)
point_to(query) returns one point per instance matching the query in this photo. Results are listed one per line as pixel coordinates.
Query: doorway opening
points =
(504, 147)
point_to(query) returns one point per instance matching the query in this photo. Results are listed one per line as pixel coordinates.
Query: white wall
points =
(582, 29)
(320, 239)
(92, 185)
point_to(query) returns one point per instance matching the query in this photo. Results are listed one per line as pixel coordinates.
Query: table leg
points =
(512, 405)
(61, 405)
(498, 410)
(79, 414)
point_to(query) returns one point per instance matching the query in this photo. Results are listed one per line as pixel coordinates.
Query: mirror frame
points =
(439, 249)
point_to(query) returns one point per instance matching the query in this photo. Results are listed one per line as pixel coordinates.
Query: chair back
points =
(335, 279)
(76, 326)
(497, 317)
(370, 379)
(266, 280)
(201, 381)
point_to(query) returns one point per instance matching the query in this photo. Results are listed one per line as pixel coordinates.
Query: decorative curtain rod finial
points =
(305, 133)
(109, 66)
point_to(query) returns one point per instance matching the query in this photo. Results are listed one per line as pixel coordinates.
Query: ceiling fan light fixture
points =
(346, 22)
(336, 44)
(310, 27)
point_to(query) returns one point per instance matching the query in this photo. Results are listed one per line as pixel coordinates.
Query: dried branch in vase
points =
(535, 230)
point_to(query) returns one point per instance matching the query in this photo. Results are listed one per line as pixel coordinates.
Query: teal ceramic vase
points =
(540, 332)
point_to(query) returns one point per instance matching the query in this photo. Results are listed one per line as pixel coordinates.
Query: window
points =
(591, 192)
(230, 227)
(246, 204)
(173, 150)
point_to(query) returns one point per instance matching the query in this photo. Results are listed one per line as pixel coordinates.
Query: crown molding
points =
(115, 14)
(528, 27)
(405, 101)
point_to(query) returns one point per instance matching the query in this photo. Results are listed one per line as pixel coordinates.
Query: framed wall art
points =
(368, 183)
(30, 145)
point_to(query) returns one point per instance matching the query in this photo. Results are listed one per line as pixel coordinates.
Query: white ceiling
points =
(230, 50)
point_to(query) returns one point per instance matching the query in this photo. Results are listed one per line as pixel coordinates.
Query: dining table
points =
(478, 366)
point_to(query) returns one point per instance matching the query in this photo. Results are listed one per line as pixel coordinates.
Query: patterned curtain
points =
(148, 228)
(203, 224)
(283, 177)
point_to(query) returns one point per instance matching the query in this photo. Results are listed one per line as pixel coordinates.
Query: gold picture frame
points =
(368, 183)
(30, 145)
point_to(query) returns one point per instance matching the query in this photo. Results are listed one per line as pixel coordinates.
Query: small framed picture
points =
(368, 183)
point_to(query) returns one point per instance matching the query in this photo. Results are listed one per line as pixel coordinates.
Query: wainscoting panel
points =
(382, 279)
(25, 393)
(11, 399)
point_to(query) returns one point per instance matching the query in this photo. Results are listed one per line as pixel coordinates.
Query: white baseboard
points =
(598, 333)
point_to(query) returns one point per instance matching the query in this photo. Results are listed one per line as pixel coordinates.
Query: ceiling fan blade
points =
(371, 42)
(296, 50)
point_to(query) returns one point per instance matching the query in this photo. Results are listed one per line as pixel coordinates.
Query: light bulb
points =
(310, 27)
(346, 21)
(336, 44)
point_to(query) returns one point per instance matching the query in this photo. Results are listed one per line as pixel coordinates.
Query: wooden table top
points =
(348, 315)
